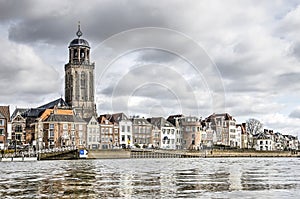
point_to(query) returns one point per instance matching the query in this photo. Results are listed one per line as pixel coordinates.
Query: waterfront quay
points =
(159, 153)
(74, 153)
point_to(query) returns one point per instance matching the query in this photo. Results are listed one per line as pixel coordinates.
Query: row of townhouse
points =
(56, 125)
(270, 141)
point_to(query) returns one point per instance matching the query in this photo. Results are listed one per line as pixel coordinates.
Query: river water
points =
(152, 178)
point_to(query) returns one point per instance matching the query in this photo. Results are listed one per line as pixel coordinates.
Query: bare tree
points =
(254, 126)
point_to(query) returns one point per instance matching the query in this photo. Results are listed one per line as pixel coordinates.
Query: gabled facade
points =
(209, 137)
(166, 136)
(18, 132)
(291, 142)
(142, 132)
(109, 132)
(225, 128)
(264, 141)
(124, 126)
(176, 120)
(93, 133)
(192, 132)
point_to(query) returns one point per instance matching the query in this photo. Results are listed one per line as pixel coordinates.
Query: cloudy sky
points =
(160, 57)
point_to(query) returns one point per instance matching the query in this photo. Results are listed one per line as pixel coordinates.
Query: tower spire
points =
(79, 33)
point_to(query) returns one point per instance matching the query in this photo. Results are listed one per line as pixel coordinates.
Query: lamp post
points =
(16, 142)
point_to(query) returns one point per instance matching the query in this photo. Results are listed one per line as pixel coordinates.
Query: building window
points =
(82, 78)
(1, 131)
(123, 138)
(18, 128)
(51, 126)
(65, 126)
(51, 133)
(123, 128)
(128, 129)
(1, 122)
(18, 137)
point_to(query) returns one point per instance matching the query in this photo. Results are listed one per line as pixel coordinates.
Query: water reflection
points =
(151, 178)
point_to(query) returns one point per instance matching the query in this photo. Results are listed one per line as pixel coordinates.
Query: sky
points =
(161, 57)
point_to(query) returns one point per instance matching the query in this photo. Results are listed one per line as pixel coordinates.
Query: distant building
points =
(125, 129)
(60, 128)
(5, 126)
(209, 137)
(93, 133)
(192, 132)
(109, 132)
(264, 141)
(166, 133)
(142, 132)
(31, 115)
(291, 142)
(18, 132)
(225, 128)
(176, 120)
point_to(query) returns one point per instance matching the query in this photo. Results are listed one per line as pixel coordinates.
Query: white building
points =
(167, 131)
(238, 140)
(125, 126)
(93, 133)
(263, 142)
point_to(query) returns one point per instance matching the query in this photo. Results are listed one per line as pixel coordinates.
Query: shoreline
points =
(136, 154)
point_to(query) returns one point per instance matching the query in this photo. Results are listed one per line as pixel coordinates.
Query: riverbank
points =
(146, 153)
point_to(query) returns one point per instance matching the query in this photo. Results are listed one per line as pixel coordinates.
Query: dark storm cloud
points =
(99, 20)
(12, 9)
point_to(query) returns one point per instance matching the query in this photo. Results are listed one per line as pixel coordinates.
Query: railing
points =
(58, 149)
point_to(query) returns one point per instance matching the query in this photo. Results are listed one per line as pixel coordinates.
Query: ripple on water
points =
(152, 178)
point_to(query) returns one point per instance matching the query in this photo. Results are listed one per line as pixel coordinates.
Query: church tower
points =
(79, 78)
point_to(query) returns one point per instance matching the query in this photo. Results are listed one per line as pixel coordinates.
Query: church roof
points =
(58, 102)
(79, 42)
(49, 112)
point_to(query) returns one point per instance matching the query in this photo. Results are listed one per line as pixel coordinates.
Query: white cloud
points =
(23, 75)
(281, 123)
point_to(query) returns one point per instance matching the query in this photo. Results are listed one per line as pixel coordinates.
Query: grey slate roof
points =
(18, 110)
(58, 102)
(160, 122)
(64, 118)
